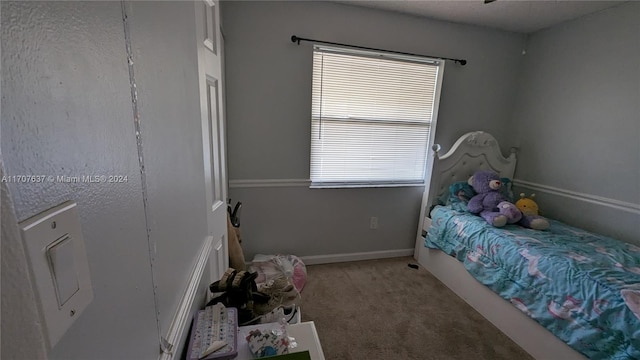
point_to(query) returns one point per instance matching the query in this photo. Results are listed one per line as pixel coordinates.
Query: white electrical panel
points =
(58, 266)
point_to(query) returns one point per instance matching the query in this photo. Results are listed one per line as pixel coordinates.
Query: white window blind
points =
(371, 117)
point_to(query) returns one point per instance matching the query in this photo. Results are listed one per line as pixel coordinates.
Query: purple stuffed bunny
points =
(489, 202)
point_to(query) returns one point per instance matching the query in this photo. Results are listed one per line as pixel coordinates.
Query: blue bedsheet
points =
(584, 288)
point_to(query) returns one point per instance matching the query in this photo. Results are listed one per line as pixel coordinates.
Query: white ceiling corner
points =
(523, 16)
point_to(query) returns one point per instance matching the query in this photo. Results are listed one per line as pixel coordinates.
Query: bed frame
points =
(474, 151)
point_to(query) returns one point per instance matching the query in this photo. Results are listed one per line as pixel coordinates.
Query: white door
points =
(210, 70)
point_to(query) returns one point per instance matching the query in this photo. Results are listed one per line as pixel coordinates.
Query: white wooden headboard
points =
(473, 151)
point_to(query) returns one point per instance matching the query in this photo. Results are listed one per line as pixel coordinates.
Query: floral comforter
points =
(583, 287)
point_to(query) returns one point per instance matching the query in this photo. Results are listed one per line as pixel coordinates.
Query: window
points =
(372, 114)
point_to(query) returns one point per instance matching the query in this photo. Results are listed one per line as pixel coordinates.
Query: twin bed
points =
(562, 293)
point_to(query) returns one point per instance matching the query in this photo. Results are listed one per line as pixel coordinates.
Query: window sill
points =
(361, 185)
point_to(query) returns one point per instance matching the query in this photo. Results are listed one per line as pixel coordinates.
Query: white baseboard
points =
(266, 183)
(171, 343)
(371, 255)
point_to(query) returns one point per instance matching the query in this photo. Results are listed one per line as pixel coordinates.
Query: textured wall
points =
(67, 111)
(269, 106)
(577, 120)
(22, 332)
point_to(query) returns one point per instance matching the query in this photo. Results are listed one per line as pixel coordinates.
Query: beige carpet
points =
(382, 309)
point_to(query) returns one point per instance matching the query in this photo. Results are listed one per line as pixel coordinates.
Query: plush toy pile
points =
(496, 208)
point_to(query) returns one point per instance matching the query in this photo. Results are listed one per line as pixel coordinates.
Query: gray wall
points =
(269, 106)
(67, 110)
(166, 71)
(26, 340)
(577, 119)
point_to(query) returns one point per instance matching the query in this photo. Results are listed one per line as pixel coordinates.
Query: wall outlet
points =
(373, 223)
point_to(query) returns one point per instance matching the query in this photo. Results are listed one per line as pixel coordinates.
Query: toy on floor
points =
(530, 213)
(238, 289)
(490, 203)
(281, 277)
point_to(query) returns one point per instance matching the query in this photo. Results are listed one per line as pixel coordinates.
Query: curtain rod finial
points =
(295, 39)
(463, 62)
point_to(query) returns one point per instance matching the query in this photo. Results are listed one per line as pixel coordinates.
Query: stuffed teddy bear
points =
(490, 203)
(530, 213)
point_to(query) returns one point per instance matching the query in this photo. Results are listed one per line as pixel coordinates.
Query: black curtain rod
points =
(298, 39)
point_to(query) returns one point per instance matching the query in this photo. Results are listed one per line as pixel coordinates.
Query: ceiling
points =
(524, 16)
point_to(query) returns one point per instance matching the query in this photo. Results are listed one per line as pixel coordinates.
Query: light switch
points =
(63, 269)
(59, 267)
